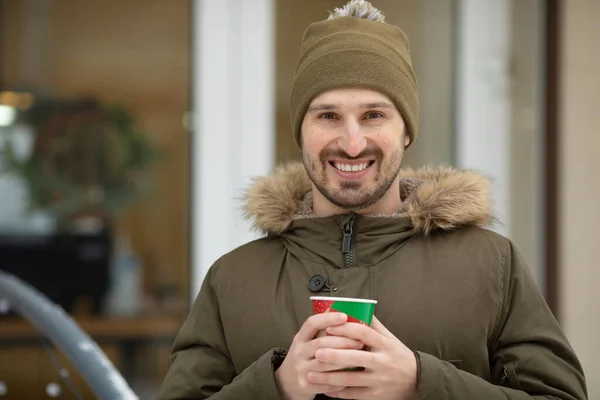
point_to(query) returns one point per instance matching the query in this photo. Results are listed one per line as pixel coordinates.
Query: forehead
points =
(350, 97)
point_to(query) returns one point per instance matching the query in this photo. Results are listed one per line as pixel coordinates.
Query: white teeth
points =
(351, 168)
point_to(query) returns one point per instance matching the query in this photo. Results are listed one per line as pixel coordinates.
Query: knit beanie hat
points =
(355, 47)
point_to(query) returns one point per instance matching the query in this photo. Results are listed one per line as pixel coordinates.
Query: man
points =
(458, 313)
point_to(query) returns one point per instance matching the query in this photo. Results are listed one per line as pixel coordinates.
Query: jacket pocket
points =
(510, 378)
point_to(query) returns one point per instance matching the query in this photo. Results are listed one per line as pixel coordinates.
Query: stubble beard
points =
(352, 195)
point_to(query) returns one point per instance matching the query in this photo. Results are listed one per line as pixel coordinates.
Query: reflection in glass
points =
(94, 183)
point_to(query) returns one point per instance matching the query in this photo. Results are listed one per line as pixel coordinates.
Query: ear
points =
(406, 140)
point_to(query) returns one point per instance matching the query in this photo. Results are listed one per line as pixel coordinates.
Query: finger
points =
(341, 379)
(318, 366)
(317, 389)
(318, 322)
(360, 332)
(334, 342)
(357, 358)
(353, 393)
(379, 327)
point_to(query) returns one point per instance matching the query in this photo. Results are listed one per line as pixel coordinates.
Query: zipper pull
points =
(347, 238)
(504, 379)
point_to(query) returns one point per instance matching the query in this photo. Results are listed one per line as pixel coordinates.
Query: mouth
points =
(351, 170)
(354, 167)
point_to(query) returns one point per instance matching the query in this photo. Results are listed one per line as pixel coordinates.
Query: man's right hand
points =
(291, 376)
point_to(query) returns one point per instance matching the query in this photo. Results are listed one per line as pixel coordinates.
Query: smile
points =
(351, 167)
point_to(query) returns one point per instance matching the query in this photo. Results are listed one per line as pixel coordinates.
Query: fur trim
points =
(441, 198)
(273, 201)
(360, 9)
(446, 198)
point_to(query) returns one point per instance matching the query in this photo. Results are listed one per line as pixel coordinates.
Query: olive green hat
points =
(355, 47)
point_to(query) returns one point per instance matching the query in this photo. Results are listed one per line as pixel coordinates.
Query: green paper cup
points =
(358, 310)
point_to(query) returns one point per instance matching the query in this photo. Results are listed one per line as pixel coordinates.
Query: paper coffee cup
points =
(357, 310)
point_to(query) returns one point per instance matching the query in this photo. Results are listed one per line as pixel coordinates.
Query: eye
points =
(328, 115)
(373, 115)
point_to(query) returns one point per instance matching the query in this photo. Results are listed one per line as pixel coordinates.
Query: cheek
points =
(388, 141)
(383, 142)
(313, 142)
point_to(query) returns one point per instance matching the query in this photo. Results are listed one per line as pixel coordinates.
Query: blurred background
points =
(129, 130)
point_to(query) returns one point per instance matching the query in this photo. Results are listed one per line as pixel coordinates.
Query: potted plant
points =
(87, 160)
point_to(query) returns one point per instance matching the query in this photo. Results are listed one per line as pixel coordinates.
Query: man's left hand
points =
(390, 368)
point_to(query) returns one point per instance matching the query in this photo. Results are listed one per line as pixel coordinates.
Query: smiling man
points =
(458, 313)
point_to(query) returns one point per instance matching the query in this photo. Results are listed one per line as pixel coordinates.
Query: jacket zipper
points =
(348, 249)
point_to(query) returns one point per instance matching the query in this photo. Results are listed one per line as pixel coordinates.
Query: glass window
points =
(95, 182)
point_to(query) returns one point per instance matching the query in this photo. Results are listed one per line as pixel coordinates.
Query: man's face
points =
(352, 146)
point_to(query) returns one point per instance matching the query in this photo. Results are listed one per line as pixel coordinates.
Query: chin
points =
(349, 202)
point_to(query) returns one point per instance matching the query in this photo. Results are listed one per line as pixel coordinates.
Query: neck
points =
(389, 204)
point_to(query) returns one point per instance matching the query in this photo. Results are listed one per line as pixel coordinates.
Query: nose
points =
(352, 140)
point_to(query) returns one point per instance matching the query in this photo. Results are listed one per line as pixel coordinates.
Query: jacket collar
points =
(433, 199)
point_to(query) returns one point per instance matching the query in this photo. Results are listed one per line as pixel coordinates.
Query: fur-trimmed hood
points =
(440, 198)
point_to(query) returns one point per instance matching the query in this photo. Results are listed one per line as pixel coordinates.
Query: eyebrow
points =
(330, 107)
(321, 107)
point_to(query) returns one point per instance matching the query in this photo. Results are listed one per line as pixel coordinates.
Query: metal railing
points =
(63, 332)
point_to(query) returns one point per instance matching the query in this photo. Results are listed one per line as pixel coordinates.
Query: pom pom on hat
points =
(361, 9)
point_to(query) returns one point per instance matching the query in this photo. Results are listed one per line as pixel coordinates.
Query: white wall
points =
(483, 96)
(580, 184)
(233, 118)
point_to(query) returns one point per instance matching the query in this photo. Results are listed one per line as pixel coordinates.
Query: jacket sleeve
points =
(530, 358)
(201, 366)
